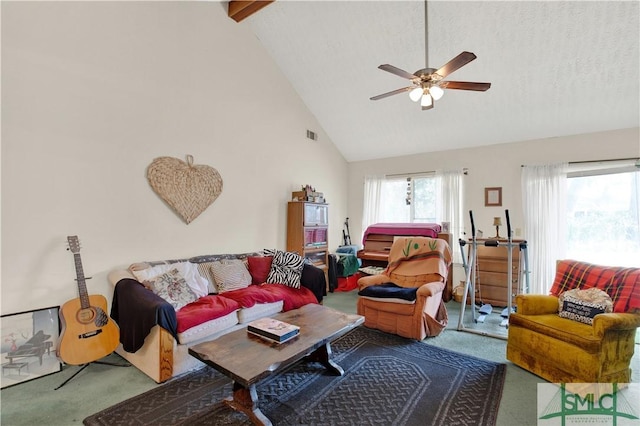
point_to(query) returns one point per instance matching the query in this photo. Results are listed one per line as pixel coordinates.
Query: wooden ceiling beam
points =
(239, 10)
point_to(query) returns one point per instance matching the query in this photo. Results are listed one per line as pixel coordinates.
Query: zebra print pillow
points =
(286, 268)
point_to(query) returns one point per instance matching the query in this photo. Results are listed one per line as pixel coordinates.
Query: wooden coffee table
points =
(247, 359)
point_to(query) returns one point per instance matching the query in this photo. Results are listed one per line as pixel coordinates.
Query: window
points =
(430, 197)
(408, 199)
(603, 217)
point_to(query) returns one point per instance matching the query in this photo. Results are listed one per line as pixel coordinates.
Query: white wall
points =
(493, 166)
(92, 92)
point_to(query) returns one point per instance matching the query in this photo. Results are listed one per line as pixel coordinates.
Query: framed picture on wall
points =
(493, 197)
(28, 347)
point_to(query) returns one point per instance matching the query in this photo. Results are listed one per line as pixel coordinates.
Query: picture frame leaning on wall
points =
(28, 345)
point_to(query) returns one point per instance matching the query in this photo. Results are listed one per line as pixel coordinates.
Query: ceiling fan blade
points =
(465, 85)
(456, 63)
(424, 108)
(397, 71)
(395, 92)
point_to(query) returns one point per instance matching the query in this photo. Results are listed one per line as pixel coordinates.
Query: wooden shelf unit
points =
(308, 231)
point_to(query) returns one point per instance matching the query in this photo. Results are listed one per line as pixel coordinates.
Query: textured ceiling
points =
(557, 68)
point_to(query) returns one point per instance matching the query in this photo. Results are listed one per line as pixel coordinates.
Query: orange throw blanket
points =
(412, 256)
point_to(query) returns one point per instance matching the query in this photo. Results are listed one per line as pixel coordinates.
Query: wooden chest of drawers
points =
(492, 273)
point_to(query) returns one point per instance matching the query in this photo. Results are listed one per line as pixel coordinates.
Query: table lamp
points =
(497, 222)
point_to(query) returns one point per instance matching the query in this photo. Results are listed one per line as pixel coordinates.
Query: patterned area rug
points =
(388, 380)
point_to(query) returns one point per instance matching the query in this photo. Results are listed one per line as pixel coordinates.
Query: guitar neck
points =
(82, 283)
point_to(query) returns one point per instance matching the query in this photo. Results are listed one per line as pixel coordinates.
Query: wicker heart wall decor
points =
(186, 187)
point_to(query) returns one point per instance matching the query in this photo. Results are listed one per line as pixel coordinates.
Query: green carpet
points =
(101, 386)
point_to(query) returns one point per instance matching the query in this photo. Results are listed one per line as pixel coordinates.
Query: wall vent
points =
(312, 135)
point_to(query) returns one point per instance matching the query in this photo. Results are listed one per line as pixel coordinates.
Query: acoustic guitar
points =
(88, 333)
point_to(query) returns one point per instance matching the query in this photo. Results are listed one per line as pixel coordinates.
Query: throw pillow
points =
(583, 305)
(286, 268)
(188, 270)
(205, 271)
(173, 288)
(259, 267)
(230, 274)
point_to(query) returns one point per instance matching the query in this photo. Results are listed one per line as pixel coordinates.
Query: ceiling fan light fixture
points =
(436, 92)
(415, 94)
(427, 100)
(428, 84)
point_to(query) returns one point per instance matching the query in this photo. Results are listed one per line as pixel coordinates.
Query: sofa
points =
(584, 331)
(163, 307)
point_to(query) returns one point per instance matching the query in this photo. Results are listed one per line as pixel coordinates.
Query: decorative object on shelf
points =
(308, 193)
(497, 222)
(187, 188)
(28, 345)
(493, 197)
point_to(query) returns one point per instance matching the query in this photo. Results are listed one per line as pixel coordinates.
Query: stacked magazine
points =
(273, 329)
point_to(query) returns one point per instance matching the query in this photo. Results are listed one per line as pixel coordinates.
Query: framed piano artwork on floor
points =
(28, 346)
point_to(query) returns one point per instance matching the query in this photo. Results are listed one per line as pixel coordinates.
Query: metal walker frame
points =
(470, 282)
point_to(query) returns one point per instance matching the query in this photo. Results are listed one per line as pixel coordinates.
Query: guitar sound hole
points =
(86, 316)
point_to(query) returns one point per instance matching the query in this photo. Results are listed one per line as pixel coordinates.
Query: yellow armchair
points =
(562, 350)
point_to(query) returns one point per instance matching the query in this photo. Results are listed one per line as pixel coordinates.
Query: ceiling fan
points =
(427, 84)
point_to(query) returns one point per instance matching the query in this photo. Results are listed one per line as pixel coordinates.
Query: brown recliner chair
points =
(406, 299)
(565, 350)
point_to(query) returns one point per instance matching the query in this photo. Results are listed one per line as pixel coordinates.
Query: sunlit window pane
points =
(603, 219)
(424, 190)
(393, 205)
(421, 206)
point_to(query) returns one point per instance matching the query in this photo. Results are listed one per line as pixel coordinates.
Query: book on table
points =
(273, 329)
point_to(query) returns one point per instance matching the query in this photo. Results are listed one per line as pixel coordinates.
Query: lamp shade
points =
(497, 221)
(436, 92)
(415, 94)
(427, 100)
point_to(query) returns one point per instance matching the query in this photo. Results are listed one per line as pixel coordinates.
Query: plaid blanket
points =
(622, 284)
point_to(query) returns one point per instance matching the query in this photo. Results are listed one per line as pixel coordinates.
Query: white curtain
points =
(371, 207)
(544, 205)
(450, 187)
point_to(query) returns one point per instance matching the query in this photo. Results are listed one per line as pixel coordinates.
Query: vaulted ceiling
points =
(557, 68)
